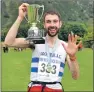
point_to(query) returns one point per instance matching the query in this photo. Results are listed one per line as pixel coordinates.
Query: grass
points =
(85, 81)
(16, 71)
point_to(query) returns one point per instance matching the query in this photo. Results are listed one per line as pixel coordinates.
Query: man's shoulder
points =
(64, 42)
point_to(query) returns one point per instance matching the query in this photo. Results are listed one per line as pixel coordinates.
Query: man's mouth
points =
(52, 30)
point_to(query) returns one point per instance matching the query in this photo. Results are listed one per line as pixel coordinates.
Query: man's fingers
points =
(80, 43)
(24, 5)
(75, 39)
(72, 37)
(69, 38)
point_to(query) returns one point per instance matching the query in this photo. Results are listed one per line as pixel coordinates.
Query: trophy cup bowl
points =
(35, 35)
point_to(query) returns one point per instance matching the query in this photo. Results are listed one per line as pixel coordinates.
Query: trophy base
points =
(36, 40)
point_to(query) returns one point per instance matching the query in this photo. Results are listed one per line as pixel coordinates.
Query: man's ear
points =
(61, 24)
(43, 25)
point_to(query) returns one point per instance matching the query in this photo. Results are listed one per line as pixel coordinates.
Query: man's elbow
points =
(7, 43)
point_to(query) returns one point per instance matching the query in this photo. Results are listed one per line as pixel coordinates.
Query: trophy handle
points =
(26, 19)
(42, 6)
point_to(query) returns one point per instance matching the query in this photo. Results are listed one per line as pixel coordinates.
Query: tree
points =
(88, 37)
(23, 31)
(3, 33)
(77, 28)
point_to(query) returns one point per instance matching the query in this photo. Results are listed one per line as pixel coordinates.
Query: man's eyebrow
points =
(48, 20)
(55, 20)
(52, 20)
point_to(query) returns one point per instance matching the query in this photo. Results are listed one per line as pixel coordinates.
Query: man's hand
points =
(23, 10)
(72, 47)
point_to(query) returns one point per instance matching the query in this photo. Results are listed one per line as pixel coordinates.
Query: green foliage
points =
(3, 33)
(77, 28)
(89, 34)
(76, 10)
(88, 37)
(23, 31)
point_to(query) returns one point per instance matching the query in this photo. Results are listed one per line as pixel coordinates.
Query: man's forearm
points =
(11, 35)
(74, 69)
(74, 66)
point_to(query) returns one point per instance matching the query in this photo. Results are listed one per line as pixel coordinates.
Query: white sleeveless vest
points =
(41, 71)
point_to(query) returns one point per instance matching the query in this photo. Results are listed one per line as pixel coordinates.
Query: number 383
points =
(47, 69)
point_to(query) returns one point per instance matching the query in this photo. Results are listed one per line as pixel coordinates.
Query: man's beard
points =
(52, 28)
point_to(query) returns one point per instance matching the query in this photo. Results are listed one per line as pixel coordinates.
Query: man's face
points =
(52, 24)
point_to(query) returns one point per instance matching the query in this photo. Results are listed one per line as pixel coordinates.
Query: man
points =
(48, 60)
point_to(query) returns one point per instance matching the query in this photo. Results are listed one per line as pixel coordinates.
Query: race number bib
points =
(48, 71)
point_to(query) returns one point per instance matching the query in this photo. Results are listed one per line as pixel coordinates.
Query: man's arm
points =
(73, 66)
(71, 49)
(11, 39)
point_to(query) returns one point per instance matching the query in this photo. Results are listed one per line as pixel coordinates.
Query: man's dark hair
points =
(52, 12)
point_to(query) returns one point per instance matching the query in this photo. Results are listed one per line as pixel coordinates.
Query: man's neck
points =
(51, 40)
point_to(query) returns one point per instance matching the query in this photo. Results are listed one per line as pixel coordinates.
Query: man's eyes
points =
(55, 21)
(49, 21)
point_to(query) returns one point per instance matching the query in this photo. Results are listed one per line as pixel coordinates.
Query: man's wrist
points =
(19, 18)
(72, 58)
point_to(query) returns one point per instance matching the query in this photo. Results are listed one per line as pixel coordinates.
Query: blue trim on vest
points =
(35, 59)
(34, 69)
(60, 74)
(62, 65)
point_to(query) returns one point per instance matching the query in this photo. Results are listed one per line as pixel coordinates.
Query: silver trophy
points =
(35, 35)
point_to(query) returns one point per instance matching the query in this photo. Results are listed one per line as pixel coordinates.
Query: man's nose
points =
(52, 23)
